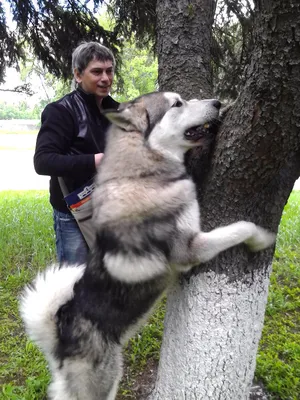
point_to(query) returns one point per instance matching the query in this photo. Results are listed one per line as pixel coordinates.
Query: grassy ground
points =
(27, 244)
(25, 229)
(278, 361)
(18, 141)
(19, 131)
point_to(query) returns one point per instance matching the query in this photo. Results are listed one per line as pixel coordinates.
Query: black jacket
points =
(72, 132)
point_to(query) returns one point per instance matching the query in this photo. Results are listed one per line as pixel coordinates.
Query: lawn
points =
(27, 244)
(278, 361)
(20, 131)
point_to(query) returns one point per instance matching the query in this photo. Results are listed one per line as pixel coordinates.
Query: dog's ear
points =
(129, 117)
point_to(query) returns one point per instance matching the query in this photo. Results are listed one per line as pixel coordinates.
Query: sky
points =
(12, 77)
(12, 80)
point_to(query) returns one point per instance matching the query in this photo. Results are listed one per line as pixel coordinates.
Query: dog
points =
(147, 220)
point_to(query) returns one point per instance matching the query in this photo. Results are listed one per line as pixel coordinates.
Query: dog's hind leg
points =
(58, 388)
(94, 376)
(206, 245)
(113, 392)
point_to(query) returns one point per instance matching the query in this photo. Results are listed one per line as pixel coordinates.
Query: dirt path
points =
(11, 141)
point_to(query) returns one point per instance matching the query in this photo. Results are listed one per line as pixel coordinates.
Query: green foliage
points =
(52, 29)
(51, 88)
(232, 40)
(139, 73)
(27, 245)
(19, 111)
(136, 75)
(135, 17)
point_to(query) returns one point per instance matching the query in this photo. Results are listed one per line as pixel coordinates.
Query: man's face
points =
(97, 78)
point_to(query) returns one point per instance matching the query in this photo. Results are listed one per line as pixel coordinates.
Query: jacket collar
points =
(90, 99)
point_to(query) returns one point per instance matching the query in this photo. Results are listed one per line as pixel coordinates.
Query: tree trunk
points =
(215, 316)
(183, 47)
(211, 336)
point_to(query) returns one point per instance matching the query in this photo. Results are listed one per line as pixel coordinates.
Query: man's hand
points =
(98, 158)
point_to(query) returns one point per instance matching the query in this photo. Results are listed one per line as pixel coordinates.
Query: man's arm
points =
(54, 141)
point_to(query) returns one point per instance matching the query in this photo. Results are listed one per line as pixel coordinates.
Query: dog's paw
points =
(261, 239)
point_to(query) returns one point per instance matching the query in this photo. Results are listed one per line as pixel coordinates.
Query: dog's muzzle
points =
(198, 132)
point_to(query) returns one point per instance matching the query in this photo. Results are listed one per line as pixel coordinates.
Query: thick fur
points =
(148, 229)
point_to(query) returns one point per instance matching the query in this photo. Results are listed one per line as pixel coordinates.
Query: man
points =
(71, 141)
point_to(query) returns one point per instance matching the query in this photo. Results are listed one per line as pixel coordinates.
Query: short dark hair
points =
(88, 51)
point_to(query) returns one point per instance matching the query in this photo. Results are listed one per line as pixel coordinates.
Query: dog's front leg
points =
(206, 245)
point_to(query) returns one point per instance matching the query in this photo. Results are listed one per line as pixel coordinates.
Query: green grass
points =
(18, 131)
(15, 147)
(27, 245)
(17, 140)
(278, 361)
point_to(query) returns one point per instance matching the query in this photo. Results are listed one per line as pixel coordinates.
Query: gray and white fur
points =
(147, 221)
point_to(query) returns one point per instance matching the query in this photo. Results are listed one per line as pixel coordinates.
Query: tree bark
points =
(183, 47)
(211, 335)
(215, 315)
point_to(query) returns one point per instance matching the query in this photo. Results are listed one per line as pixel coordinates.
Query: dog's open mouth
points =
(198, 132)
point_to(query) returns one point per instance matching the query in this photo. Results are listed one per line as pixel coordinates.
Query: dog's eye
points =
(177, 103)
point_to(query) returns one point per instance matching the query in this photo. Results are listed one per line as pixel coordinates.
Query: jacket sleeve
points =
(53, 143)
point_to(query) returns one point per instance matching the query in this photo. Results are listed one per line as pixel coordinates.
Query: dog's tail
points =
(42, 299)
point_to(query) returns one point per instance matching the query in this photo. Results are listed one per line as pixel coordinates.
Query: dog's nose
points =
(217, 104)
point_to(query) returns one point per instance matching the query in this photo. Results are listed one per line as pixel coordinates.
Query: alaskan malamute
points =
(148, 230)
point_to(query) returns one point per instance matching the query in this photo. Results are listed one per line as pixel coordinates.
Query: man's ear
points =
(77, 75)
(129, 116)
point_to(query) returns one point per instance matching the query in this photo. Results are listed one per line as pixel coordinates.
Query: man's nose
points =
(104, 77)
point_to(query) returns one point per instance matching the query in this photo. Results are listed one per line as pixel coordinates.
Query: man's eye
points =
(177, 103)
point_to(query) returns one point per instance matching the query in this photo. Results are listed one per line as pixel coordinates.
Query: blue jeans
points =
(71, 248)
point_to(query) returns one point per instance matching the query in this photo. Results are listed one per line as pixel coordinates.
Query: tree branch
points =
(26, 88)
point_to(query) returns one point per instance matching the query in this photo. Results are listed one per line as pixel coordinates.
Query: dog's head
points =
(167, 122)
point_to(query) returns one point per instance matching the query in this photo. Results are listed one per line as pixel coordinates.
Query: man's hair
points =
(88, 51)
